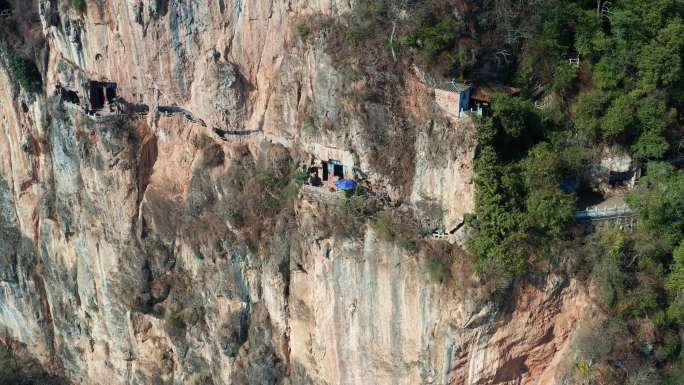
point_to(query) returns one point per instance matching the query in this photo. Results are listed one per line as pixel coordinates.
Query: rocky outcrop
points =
(366, 312)
(127, 255)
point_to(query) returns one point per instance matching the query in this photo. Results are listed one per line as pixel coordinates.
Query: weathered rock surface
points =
(120, 257)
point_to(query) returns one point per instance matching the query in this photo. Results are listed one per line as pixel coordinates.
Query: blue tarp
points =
(345, 184)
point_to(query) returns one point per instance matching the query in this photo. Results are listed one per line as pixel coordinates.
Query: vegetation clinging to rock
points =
(26, 73)
(79, 5)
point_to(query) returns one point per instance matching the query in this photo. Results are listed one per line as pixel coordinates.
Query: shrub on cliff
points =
(303, 30)
(347, 220)
(26, 73)
(438, 269)
(434, 38)
(394, 228)
(79, 5)
(265, 188)
(18, 369)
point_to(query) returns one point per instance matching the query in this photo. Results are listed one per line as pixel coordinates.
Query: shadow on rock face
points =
(162, 7)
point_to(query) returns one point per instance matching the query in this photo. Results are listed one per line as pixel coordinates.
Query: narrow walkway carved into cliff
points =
(223, 134)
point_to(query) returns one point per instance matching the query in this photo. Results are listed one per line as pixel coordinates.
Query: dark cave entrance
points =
(101, 93)
(69, 96)
(5, 7)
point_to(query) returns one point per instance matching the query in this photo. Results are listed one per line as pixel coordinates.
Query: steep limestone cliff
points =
(134, 248)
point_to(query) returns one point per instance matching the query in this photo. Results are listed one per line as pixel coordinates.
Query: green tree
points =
(79, 5)
(499, 240)
(542, 166)
(650, 145)
(610, 71)
(517, 125)
(675, 280)
(26, 73)
(607, 272)
(564, 79)
(654, 118)
(658, 202)
(550, 210)
(438, 37)
(620, 117)
(660, 61)
(514, 116)
(590, 40)
(590, 109)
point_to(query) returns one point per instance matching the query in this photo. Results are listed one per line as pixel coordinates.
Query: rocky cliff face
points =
(134, 249)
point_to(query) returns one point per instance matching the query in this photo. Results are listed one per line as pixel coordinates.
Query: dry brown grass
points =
(450, 265)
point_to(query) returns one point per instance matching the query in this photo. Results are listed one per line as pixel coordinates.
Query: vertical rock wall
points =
(120, 260)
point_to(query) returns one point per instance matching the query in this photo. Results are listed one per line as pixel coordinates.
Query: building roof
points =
(484, 93)
(452, 86)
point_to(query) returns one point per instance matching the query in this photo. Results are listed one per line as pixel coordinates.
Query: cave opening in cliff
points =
(69, 96)
(5, 8)
(617, 178)
(100, 94)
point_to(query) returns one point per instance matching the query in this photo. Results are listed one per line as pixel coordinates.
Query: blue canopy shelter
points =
(346, 184)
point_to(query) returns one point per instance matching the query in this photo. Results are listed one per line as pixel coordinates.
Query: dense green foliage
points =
(659, 201)
(26, 73)
(79, 5)
(632, 53)
(627, 91)
(627, 94)
(640, 280)
(519, 202)
(435, 38)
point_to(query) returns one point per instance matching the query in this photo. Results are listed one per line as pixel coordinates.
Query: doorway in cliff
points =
(100, 93)
(332, 168)
(338, 171)
(324, 167)
(5, 8)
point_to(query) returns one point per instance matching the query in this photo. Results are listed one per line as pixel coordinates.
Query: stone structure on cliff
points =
(453, 98)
